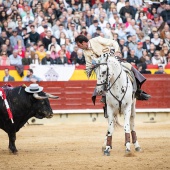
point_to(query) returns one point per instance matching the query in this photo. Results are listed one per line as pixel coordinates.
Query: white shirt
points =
(155, 41)
(6, 78)
(120, 5)
(15, 60)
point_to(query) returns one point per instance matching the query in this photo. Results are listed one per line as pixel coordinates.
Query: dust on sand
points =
(79, 147)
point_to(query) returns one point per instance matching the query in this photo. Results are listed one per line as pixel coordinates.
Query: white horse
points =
(116, 84)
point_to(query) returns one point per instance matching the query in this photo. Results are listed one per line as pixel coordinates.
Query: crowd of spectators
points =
(43, 32)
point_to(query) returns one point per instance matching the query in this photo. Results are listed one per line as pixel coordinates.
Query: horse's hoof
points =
(127, 151)
(138, 149)
(107, 153)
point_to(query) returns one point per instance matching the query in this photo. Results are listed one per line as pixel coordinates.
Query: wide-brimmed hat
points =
(33, 88)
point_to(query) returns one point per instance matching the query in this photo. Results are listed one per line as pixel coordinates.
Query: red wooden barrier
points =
(77, 94)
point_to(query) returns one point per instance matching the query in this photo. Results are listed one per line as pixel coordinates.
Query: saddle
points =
(127, 68)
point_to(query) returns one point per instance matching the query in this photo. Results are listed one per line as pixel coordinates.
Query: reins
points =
(120, 101)
(109, 89)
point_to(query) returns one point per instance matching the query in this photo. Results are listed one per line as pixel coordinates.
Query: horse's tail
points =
(116, 122)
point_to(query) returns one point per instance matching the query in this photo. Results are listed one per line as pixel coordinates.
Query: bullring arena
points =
(73, 138)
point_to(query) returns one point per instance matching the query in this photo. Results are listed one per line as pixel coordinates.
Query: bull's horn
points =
(51, 96)
(35, 95)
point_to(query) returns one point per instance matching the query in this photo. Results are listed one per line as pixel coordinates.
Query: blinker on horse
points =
(116, 84)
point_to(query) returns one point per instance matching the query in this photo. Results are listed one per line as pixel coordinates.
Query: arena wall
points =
(75, 99)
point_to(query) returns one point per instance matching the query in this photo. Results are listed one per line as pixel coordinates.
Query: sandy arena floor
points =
(78, 147)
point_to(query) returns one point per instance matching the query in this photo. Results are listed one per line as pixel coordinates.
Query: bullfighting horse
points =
(114, 81)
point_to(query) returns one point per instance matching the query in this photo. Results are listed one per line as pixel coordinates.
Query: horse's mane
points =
(91, 70)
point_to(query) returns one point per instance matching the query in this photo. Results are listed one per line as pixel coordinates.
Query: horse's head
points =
(102, 78)
(102, 74)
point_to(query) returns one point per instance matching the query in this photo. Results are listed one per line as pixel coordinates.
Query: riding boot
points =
(140, 94)
(140, 79)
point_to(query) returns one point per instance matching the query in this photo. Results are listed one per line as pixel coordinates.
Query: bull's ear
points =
(35, 95)
(51, 96)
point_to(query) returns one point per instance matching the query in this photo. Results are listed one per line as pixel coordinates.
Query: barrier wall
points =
(77, 94)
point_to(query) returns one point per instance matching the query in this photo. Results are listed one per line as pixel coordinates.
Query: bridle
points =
(108, 86)
(106, 81)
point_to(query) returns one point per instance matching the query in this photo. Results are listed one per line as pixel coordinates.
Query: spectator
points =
(27, 60)
(158, 59)
(66, 53)
(160, 45)
(165, 14)
(165, 50)
(132, 59)
(35, 59)
(69, 45)
(146, 44)
(138, 50)
(41, 52)
(3, 37)
(4, 60)
(74, 55)
(126, 11)
(33, 35)
(97, 32)
(62, 59)
(58, 32)
(7, 47)
(161, 7)
(54, 53)
(160, 70)
(152, 49)
(80, 59)
(156, 40)
(47, 60)
(62, 39)
(89, 18)
(47, 39)
(167, 39)
(44, 33)
(106, 4)
(31, 77)
(25, 36)
(54, 42)
(84, 31)
(71, 31)
(7, 77)
(142, 69)
(156, 22)
(93, 27)
(164, 31)
(15, 59)
(133, 43)
(27, 18)
(14, 38)
(125, 52)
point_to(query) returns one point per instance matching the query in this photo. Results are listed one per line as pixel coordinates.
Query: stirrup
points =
(141, 95)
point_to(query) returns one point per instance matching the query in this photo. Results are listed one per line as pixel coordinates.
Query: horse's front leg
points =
(108, 140)
(132, 128)
(127, 114)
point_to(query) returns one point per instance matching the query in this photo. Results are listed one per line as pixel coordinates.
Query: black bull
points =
(23, 106)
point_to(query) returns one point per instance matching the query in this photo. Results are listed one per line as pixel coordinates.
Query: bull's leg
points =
(132, 128)
(108, 140)
(12, 138)
(127, 114)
